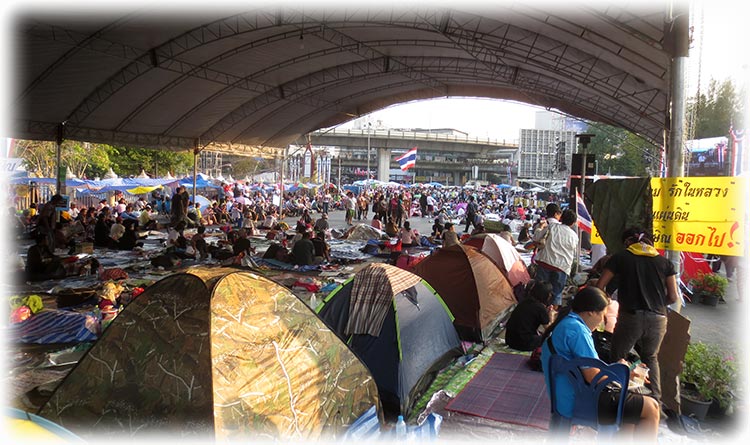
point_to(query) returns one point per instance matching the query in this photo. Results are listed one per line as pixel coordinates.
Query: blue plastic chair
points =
(585, 406)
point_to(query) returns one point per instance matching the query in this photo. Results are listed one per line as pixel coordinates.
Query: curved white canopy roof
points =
(265, 77)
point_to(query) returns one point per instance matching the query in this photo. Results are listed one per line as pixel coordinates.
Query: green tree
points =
(715, 110)
(248, 166)
(620, 152)
(89, 160)
(127, 161)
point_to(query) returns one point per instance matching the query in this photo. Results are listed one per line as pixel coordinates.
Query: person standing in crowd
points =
(349, 205)
(646, 285)
(570, 337)
(555, 259)
(326, 200)
(471, 213)
(179, 207)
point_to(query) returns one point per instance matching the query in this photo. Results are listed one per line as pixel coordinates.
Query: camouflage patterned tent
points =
(215, 354)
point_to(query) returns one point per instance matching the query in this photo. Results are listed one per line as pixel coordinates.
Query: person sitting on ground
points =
(115, 233)
(376, 222)
(437, 229)
(198, 242)
(524, 236)
(129, 238)
(570, 336)
(303, 252)
(41, 263)
(449, 235)
(522, 332)
(209, 219)
(128, 214)
(146, 220)
(322, 225)
(322, 249)
(270, 221)
(409, 237)
(298, 232)
(242, 245)
(390, 228)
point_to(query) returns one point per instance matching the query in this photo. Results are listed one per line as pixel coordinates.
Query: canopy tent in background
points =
(203, 201)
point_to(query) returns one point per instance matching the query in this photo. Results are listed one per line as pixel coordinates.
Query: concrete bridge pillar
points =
(384, 164)
(457, 178)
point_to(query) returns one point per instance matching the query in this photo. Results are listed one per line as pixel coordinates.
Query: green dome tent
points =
(215, 354)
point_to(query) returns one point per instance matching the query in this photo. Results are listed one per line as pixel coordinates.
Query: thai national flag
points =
(408, 159)
(584, 219)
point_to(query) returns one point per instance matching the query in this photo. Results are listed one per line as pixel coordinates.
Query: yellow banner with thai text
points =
(595, 237)
(699, 214)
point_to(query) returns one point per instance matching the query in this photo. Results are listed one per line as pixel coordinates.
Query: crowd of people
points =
(642, 281)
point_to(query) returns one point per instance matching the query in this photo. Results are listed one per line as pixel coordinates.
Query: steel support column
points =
(678, 37)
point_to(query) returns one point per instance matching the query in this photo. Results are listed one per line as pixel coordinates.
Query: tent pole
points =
(60, 181)
(196, 150)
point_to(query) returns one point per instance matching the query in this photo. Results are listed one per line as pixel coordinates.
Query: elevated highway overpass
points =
(444, 156)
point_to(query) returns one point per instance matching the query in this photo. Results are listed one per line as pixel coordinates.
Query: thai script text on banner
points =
(699, 214)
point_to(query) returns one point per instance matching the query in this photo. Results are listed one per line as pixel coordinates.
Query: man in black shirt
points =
(303, 251)
(646, 285)
(242, 245)
(522, 331)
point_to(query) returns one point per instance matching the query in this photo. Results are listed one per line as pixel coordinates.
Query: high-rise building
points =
(545, 152)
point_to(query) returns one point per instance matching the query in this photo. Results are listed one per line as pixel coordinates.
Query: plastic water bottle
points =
(313, 300)
(400, 428)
